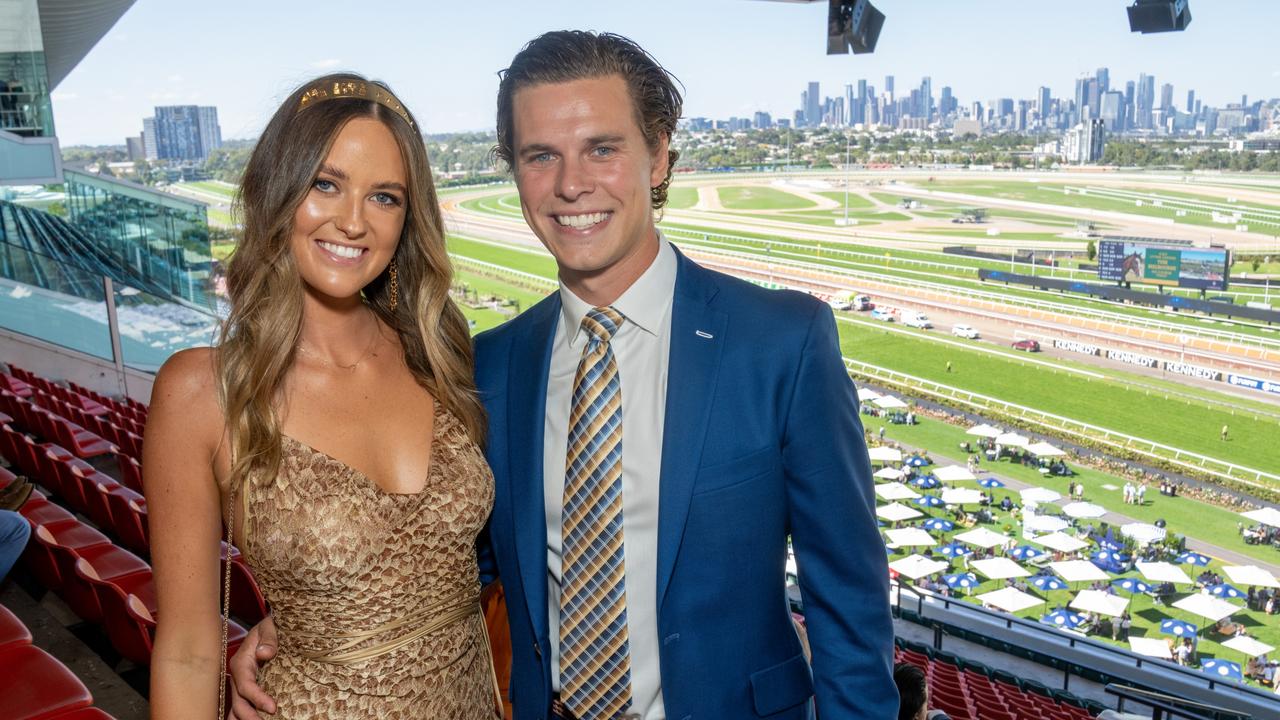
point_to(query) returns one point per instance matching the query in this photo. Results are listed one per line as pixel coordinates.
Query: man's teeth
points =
(342, 250)
(581, 221)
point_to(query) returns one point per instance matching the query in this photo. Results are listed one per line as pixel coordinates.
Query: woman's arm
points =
(183, 503)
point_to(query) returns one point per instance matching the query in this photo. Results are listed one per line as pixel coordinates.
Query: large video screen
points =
(1151, 264)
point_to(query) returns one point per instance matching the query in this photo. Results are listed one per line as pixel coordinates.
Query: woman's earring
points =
(394, 285)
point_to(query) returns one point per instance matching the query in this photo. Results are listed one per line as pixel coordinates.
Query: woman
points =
(335, 428)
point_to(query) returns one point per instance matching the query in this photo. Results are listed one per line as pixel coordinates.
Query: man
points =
(657, 431)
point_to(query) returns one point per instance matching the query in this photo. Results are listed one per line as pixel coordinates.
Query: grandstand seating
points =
(35, 686)
(967, 690)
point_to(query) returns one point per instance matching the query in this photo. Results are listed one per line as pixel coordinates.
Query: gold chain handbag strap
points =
(226, 606)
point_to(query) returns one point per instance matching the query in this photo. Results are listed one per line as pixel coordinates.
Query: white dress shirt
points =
(640, 347)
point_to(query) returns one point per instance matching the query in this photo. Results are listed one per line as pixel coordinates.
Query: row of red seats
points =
(53, 427)
(35, 686)
(125, 409)
(969, 695)
(124, 434)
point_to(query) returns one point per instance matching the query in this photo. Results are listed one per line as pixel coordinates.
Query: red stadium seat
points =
(71, 475)
(128, 611)
(12, 631)
(247, 602)
(42, 512)
(15, 386)
(72, 535)
(102, 562)
(6, 478)
(89, 713)
(97, 486)
(35, 686)
(83, 443)
(131, 473)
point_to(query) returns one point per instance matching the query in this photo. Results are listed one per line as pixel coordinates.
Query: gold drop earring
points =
(394, 285)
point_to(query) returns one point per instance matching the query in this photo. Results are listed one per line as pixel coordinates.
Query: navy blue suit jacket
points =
(761, 441)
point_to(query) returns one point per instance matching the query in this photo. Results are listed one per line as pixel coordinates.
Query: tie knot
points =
(601, 323)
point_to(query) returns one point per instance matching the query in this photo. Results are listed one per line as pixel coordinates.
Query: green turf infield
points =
(758, 197)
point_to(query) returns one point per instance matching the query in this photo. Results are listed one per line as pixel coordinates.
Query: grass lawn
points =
(857, 201)
(1041, 237)
(221, 218)
(222, 251)
(1101, 402)
(682, 198)
(489, 285)
(535, 262)
(761, 198)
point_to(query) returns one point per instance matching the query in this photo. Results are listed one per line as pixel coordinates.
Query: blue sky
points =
(733, 56)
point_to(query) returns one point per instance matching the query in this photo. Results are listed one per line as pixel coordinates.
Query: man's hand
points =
(246, 697)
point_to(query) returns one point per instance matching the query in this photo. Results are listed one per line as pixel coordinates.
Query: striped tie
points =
(595, 660)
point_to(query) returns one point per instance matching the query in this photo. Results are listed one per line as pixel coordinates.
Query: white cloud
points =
(64, 96)
(175, 78)
(326, 63)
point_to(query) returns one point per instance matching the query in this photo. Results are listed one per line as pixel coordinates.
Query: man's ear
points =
(661, 161)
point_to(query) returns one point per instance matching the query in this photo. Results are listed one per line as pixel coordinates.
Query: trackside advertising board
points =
(1152, 264)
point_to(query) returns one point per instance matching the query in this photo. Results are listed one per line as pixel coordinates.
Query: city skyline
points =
(991, 49)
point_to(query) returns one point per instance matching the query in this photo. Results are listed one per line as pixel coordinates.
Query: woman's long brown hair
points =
(259, 339)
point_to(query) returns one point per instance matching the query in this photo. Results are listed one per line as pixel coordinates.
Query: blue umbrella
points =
(1131, 585)
(940, 524)
(929, 501)
(1107, 543)
(926, 482)
(961, 580)
(1109, 560)
(1194, 558)
(954, 549)
(1181, 628)
(1025, 552)
(1048, 582)
(916, 461)
(1221, 668)
(1063, 619)
(1226, 592)
(990, 483)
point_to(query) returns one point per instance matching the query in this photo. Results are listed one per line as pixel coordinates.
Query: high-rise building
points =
(863, 100)
(1042, 102)
(1144, 101)
(210, 131)
(926, 98)
(1113, 111)
(946, 101)
(851, 102)
(1166, 97)
(802, 113)
(1085, 142)
(763, 120)
(813, 107)
(1103, 76)
(150, 148)
(134, 145)
(1082, 97)
(1191, 101)
(888, 86)
(1130, 109)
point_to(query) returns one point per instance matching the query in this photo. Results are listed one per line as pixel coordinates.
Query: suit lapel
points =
(691, 383)
(529, 366)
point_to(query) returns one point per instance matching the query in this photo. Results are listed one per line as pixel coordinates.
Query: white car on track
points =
(964, 331)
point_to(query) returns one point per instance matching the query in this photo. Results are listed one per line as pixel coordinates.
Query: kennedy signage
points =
(1079, 347)
(1192, 371)
(1133, 358)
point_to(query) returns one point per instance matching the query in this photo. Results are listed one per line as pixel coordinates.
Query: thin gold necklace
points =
(349, 368)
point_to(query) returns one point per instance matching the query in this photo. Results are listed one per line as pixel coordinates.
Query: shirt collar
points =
(644, 304)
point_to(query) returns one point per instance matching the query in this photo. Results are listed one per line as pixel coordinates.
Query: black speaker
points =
(1153, 16)
(852, 26)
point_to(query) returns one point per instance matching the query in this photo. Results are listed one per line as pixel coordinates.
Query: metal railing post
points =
(113, 326)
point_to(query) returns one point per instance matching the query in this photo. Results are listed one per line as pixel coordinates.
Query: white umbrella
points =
(1083, 510)
(961, 496)
(1044, 523)
(896, 491)
(983, 431)
(1163, 572)
(1266, 516)
(1039, 495)
(889, 473)
(1010, 599)
(884, 453)
(983, 538)
(1151, 647)
(1044, 449)
(1248, 646)
(1078, 571)
(953, 473)
(909, 537)
(1250, 575)
(917, 566)
(894, 512)
(867, 394)
(999, 568)
(1206, 606)
(1143, 533)
(1060, 542)
(1100, 602)
(889, 402)
(1012, 439)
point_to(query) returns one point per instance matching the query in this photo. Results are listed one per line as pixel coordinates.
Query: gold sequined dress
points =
(371, 591)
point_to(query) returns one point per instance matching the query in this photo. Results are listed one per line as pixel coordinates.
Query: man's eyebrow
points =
(331, 170)
(604, 139)
(535, 148)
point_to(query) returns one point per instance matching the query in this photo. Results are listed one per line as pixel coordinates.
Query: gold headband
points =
(354, 89)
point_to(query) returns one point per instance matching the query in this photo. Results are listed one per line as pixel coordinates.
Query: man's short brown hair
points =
(567, 55)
